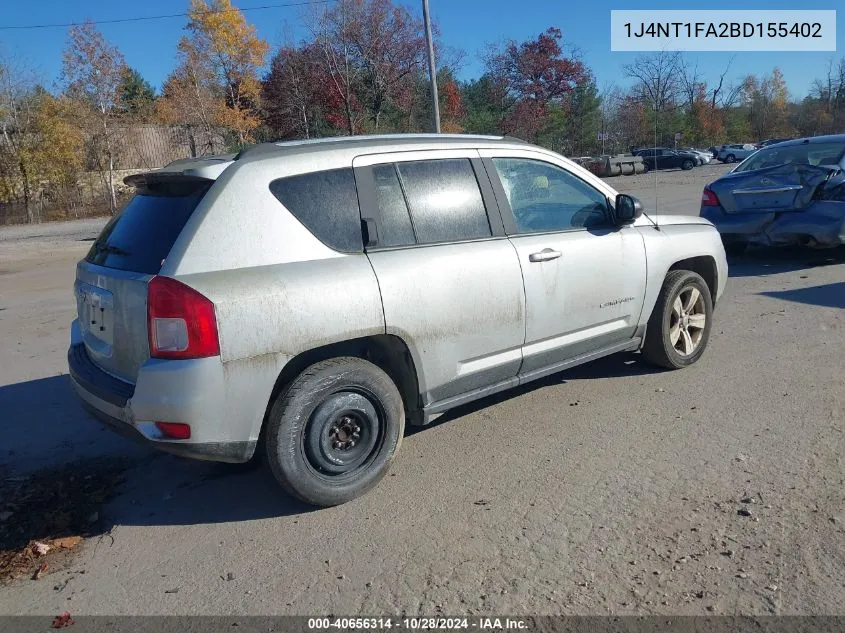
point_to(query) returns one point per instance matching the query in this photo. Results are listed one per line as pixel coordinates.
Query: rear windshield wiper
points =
(108, 248)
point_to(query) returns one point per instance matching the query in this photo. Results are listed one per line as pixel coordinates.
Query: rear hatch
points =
(111, 282)
(773, 189)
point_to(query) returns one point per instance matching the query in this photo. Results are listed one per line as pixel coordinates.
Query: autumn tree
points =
(537, 77)
(294, 92)
(374, 57)
(93, 71)
(330, 29)
(822, 111)
(452, 109)
(765, 99)
(58, 145)
(190, 100)
(705, 121)
(17, 113)
(216, 82)
(40, 147)
(389, 44)
(779, 102)
(626, 120)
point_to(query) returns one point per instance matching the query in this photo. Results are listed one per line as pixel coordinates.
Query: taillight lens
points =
(709, 199)
(174, 430)
(180, 321)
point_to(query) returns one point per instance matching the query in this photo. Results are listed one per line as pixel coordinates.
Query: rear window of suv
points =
(139, 237)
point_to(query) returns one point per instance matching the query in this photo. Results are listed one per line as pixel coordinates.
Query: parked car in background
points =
(735, 153)
(789, 193)
(271, 300)
(704, 155)
(665, 158)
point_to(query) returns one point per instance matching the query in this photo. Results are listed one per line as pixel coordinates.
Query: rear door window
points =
(140, 237)
(326, 202)
(396, 227)
(444, 200)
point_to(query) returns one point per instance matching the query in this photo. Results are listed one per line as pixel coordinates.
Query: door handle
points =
(544, 255)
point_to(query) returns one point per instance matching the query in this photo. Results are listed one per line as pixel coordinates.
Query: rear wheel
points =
(333, 432)
(679, 326)
(687, 164)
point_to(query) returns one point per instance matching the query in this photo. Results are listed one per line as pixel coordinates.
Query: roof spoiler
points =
(206, 168)
(152, 177)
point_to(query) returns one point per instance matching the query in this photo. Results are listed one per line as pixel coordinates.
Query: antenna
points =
(655, 166)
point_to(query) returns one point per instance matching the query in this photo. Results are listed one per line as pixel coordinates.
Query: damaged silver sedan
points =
(790, 193)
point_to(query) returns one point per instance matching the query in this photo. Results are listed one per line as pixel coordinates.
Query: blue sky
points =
(468, 24)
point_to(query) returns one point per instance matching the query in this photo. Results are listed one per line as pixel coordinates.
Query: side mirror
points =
(627, 209)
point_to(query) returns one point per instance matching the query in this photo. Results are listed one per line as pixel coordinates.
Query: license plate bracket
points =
(95, 307)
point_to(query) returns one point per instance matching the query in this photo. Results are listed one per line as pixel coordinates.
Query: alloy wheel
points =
(688, 320)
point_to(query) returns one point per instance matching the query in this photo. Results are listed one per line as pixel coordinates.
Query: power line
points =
(163, 17)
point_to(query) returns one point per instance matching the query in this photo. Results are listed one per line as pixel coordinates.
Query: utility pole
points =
(432, 72)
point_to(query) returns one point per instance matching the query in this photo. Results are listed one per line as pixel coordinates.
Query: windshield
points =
(804, 154)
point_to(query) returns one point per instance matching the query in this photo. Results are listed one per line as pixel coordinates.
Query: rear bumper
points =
(823, 223)
(235, 452)
(168, 391)
(94, 380)
(738, 223)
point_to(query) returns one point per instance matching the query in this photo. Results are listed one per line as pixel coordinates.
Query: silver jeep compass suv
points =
(304, 300)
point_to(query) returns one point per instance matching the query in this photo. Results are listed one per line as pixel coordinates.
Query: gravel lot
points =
(610, 488)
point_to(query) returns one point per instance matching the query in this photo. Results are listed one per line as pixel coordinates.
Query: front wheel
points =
(687, 165)
(332, 434)
(679, 326)
(730, 158)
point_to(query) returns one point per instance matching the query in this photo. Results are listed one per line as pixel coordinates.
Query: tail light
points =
(180, 321)
(174, 430)
(709, 199)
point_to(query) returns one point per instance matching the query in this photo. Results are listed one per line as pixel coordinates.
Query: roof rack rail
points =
(261, 148)
(384, 137)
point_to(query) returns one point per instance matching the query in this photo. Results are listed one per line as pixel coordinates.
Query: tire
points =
(315, 425)
(687, 165)
(730, 158)
(663, 324)
(646, 168)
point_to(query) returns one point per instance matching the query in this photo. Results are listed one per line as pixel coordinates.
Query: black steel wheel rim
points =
(344, 433)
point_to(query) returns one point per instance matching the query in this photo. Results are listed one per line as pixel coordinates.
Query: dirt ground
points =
(609, 488)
